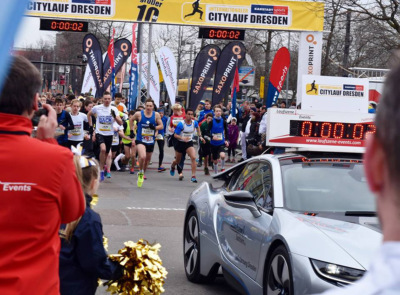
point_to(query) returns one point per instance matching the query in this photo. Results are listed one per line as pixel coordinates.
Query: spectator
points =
(283, 105)
(382, 171)
(233, 135)
(39, 189)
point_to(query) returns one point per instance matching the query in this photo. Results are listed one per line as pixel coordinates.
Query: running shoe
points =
(144, 177)
(140, 179)
(161, 169)
(199, 164)
(206, 171)
(172, 171)
(181, 176)
(222, 170)
(193, 179)
(108, 174)
(101, 176)
(132, 171)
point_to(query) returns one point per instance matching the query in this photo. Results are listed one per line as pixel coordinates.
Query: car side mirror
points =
(242, 200)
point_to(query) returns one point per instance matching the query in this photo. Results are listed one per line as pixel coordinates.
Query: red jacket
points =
(39, 190)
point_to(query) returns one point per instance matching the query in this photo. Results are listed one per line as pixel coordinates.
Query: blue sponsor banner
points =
(263, 9)
(133, 89)
(272, 95)
(349, 87)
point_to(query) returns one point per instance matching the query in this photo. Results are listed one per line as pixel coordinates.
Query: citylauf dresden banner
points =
(254, 14)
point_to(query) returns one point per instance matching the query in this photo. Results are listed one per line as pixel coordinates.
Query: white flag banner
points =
(88, 84)
(168, 67)
(154, 78)
(310, 52)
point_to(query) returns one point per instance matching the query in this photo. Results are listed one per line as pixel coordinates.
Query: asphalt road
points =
(155, 213)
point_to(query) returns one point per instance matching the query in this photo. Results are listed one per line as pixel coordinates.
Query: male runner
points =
(184, 143)
(129, 146)
(218, 129)
(64, 122)
(207, 110)
(105, 117)
(148, 121)
(118, 103)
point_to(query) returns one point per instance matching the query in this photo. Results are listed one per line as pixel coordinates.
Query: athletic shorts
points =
(107, 140)
(149, 147)
(114, 148)
(205, 149)
(128, 144)
(216, 150)
(181, 146)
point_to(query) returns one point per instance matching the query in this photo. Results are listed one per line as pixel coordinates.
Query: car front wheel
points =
(278, 277)
(191, 248)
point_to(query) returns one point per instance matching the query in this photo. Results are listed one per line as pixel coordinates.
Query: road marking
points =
(155, 209)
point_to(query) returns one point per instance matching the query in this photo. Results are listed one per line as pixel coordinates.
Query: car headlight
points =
(336, 273)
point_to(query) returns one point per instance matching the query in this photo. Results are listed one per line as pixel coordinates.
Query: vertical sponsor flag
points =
(92, 51)
(310, 51)
(133, 77)
(88, 84)
(10, 15)
(235, 89)
(122, 51)
(154, 78)
(231, 57)
(111, 57)
(168, 67)
(203, 70)
(279, 69)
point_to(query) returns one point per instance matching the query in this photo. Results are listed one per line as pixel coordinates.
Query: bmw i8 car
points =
(283, 224)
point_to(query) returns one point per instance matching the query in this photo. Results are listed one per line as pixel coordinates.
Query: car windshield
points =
(326, 187)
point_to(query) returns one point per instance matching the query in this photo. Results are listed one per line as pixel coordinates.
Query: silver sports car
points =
(283, 224)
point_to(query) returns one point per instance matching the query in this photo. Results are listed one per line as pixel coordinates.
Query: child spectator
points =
(83, 258)
(233, 135)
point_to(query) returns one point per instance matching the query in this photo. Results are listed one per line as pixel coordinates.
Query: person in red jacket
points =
(39, 189)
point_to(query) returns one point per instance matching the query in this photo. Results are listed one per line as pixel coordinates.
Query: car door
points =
(238, 230)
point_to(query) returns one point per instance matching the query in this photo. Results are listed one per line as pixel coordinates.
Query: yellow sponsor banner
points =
(252, 14)
(262, 85)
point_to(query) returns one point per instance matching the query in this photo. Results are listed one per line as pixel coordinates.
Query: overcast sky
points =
(29, 33)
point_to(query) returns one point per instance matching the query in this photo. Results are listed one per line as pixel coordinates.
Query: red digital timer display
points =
(223, 34)
(63, 25)
(336, 130)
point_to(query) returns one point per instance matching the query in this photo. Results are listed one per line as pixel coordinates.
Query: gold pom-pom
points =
(143, 270)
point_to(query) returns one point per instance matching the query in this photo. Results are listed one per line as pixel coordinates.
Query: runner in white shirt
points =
(118, 131)
(118, 104)
(382, 170)
(184, 143)
(76, 135)
(105, 117)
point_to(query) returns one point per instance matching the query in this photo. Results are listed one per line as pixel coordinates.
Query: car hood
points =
(329, 235)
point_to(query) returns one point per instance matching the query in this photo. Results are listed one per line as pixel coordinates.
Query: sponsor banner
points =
(279, 69)
(262, 86)
(88, 84)
(122, 51)
(235, 89)
(247, 75)
(110, 53)
(319, 131)
(167, 62)
(92, 51)
(203, 70)
(252, 14)
(335, 94)
(133, 77)
(310, 50)
(231, 57)
(154, 78)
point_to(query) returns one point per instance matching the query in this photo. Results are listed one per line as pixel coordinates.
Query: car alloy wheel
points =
(191, 248)
(278, 277)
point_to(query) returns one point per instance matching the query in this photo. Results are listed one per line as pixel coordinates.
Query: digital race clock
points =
(63, 25)
(223, 34)
(319, 130)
